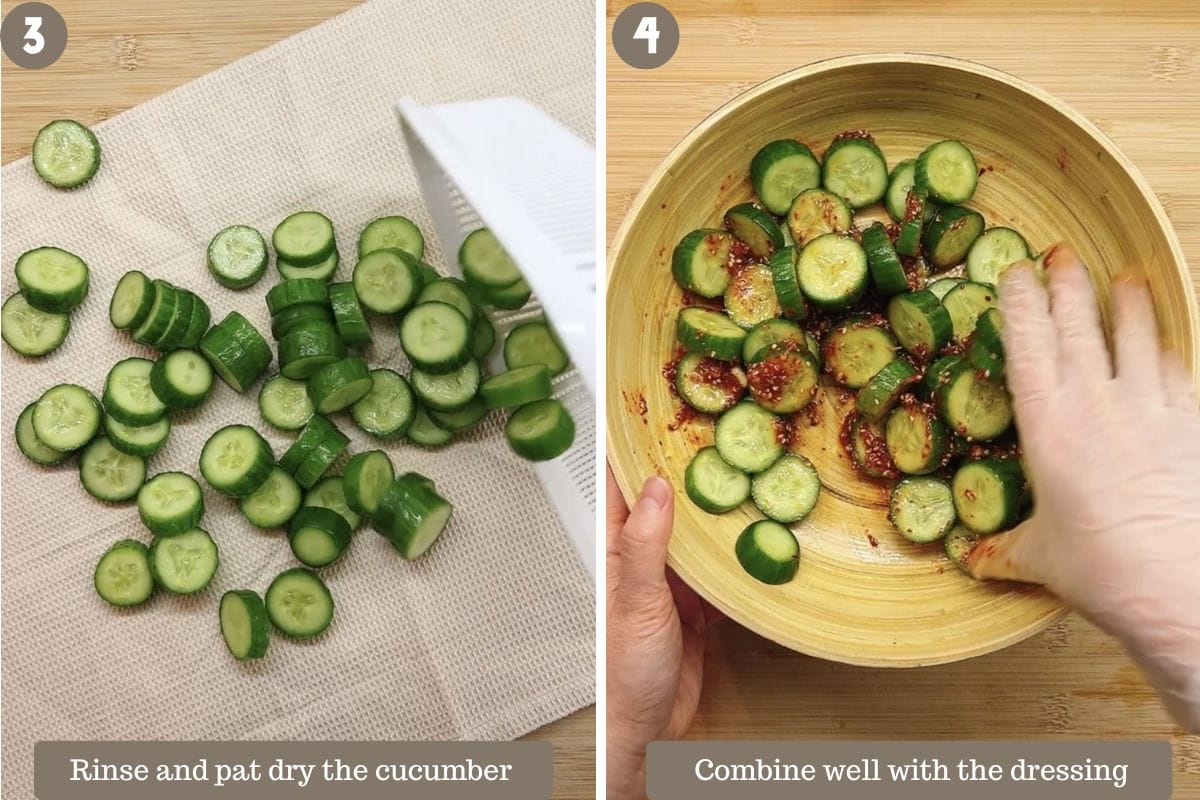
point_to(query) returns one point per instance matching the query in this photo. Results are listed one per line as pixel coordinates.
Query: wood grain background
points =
(1134, 69)
(121, 53)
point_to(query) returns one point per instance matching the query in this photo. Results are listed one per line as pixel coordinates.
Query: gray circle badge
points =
(645, 35)
(33, 35)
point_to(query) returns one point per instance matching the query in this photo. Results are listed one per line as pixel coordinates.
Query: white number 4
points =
(648, 29)
(34, 41)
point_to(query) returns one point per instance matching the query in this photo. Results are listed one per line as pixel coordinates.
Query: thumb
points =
(1017, 555)
(643, 542)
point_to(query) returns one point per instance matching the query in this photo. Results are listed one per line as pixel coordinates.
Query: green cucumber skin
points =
(403, 509)
(348, 315)
(298, 317)
(882, 259)
(787, 284)
(260, 626)
(59, 301)
(760, 566)
(878, 397)
(318, 462)
(937, 440)
(900, 183)
(315, 431)
(985, 348)
(706, 243)
(424, 432)
(323, 519)
(532, 383)
(925, 305)
(288, 629)
(761, 172)
(255, 475)
(348, 378)
(302, 257)
(756, 228)
(1005, 471)
(725, 346)
(964, 371)
(549, 446)
(306, 350)
(198, 325)
(34, 450)
(354, 477)
(954, 224)
(295, 292)
(958, 546)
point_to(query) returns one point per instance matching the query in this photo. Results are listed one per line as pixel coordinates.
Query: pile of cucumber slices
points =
(321, 334)
(882, 282)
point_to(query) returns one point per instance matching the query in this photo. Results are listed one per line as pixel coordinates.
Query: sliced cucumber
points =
(321, 459)
(900, 183)
(816, 212)
(855, 350)
(920, 323)
(348, 315)
(411, 515)
(197, 325)
(517, 386)
(787, 491)
(449, 392)
(122, 576)
(66, 417)
(922, 509)
(297, 292)
(181, 318)
(387, 410)
(131, 301)
(244, 624)
(965, 303)
(937, 375)
(747, 437)
(534, 342)
(316, 431)
(330, 493)
(285, 404)
(985, 349)
(237, 351)
(709, 333)
(987, 494)
(948, 236)
(324, 270)
(916, 439)
(66, 154)
(387, 280)
(387, 232)
(51, 279)
(868, 448)
(947, 171)
(854, 168)
(942, 286)
(908, 240)
(294, 318)
(306, 350)
(993, 252)
(714, 485)
(886, 270)
(237, 257)
(787, 283)
(772, 337)
(700, 260)
(484, 260)
(304, 239)
(272, 504)
(974, 406)
(462, 419)
(756, 228)
(299, 604)
(769, 552)
(784, 383)
(425, 432)
(436, 337)
(108, 474)
(706, 384)
(186, 563)
(30, 332)
(450, 291)
(541, 430)
(483, 337)
(750, 296)
(368, 476)
(170, 503)
(340, 385)
(318, 536)
(833, 271)
(236, 460)
(781, 170)
(882, 392)
(160, 316)
(510, 298)
(959, 543)
(141, 440)
(182, 379)
(30, 446)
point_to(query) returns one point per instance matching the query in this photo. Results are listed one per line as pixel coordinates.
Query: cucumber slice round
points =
(324, 270)
(436, 337)
(772, 337)
(756, 228)
(959, 543)
(816, 212)
(868, 448)
(304, 239)
(833, 271)
(304, 351)
(699, 262)
(30, 446)
(388, 232)
(854, 168)
(993, 252)
(197, 325)
(900, 183)
(411, 515)
(937, 375)
(273, 503)
(30, 332)
(425, 432)
(340, 385)
(747, 438)
(921, 324)
(706, 332)
(66, 417)
(878, 397)
(388, 408)
(788, 490)
(534, 342)
(916, 439)
(128, 396)
(237, 351)
(922, 509)
(974, 406)
(387, 280)
(985, 349)
(236, 460)
(318, 462)
(368, 476)
(949, 235)
(162, 312)
(714, 485)
(318, 536)
(886, 270)
(316, 431)
(170, 503)
(517, 386)
(181, 318)
(708, 385)
(285, 404)
(908, 240)
(781, 170)
(947, 171)
(450, 291)
(237, 257)
(987, 494)
(540, 431)
(784, 383)
(66, 154)
(185, 563)
(449, 392)
(462, 419)
(299, 604)
(768, 552)
(51, 279)
(856, 349)
(182, 379)
(484, 260)
(330, 493)
(122, 576)
(142, 440)
(131, 301)
(965, 303)
(108, 474)
(244, 624)
(510, 298)
(787, 283)
(942, 286)
(348, 315)
(483, 337)
(295, 318)
(297, 292)
(750, 296)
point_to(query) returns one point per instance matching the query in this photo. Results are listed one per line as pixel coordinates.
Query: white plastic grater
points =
(503, 163)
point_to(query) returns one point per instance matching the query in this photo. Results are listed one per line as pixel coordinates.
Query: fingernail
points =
(655, 494)
(1058, 255)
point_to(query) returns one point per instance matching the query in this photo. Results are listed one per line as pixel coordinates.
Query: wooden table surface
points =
(1134, 69)
(120, 54)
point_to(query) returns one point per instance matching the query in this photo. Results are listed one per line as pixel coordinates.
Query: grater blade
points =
(503, 163)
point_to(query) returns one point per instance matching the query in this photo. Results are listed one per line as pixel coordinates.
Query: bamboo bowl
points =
(863, 594)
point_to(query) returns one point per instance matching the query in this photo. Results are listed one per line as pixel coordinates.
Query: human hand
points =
(1112, 451)
(656, 623)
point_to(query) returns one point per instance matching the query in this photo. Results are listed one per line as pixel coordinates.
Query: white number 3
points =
(34, 41)
(648, 29)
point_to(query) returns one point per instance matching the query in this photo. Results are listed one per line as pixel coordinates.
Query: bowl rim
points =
(624, 483)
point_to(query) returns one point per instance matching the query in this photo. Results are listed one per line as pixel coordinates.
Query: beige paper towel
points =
(491, 635)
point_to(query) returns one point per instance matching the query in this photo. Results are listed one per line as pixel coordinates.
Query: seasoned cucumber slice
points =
(412, 515)
(987, 494)
(517, 387)
(449, 392)
(284, 403)
(304, 239)
(769, 552)
(535, 343)
(706, 384)
(128, 396)
(122, 576)
(237, 257)
(244, 624)
(784, 383)
(395, 231)
(974, 406)
(108, 474)
(942, 286)
(368, 476)
(854, 168)
(833, 271)
(700, 260)
(710, 333)
(387, 409)
(886, 270)
(959, 543)
(348, 315)
(855, 350)
(949, 235)
(937, 376)
(868, 448)
(330, 493)
(30, 332)
(772, 337)
(993, 252)
(484, 260)
(541, 430)
(318, 536)
(908, 240)
(186, 563)
(920, 323)
(236, 460)
(340, 385)
(756, 228)
(131, 301)
(51, 279)
(900, 183)
(66, 154)
(299, 604)
(916, 439)
(714, 485)
(947, 171)
(965, 303)
(139, 440)
(878, 397)
(170, 503)
(747, 437)
(787, 491)
(816, 212)
(787, 283)
(387, 280)
(781, 170)
(922, 509)
(985, 349)
(436, 337)
(30, 446)
(750, 296)
(66, 417)
(273, 503)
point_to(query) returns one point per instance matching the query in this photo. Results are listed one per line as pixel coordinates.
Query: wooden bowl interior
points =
(863, 594)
